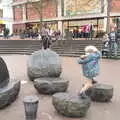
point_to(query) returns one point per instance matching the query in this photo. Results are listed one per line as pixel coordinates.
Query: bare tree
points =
(38, 5)
(108, 15)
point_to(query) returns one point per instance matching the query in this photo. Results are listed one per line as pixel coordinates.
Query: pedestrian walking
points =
(57, 35)
(113, 43)
(45, 38)
(39, 36)
(6, 33)
(105, 48)
(90, 67)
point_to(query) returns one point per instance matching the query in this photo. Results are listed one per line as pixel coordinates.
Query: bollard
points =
(31, 105)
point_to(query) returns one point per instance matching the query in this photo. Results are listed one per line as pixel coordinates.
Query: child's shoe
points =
(88, 92)
(83, 95)
(94, 81)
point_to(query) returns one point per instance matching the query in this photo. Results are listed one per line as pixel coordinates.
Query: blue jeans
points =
(113, 49)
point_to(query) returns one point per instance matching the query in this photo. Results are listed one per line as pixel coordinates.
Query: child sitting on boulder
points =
(90, 67)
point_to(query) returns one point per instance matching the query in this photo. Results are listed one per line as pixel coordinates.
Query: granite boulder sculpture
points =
(9, 89)
(71, 106)
(44, 63)
(44, 68)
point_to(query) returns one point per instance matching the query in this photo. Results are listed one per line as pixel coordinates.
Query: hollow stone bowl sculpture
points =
(50, 85)
(70, 106)
(101, 92)
(44, 63)
(9, 89)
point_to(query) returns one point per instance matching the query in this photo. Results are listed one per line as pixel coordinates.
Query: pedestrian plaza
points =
(109, 74)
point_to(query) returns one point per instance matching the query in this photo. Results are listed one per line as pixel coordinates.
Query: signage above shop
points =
(1, 22)
(82, 7)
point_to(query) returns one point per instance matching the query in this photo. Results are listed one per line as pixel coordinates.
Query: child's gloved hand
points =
(83, 56)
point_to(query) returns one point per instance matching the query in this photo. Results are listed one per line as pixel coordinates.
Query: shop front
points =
(116, 21)
(87, 22)
(84, 28)
(2, 26)
(36, 25)
(32, 27)
(18, 28)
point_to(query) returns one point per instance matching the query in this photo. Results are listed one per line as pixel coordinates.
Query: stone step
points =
(78, 41)
(13, 49)
(74, 52)
(16, 52)
(19, 48)
(64, 47)
(74, 47)
(71, 49)
(66, 44)
(69, 55)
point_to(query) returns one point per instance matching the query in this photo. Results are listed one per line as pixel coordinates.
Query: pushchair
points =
(105, 49)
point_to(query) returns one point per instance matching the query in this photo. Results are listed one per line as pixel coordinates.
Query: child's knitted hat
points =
(90, 49)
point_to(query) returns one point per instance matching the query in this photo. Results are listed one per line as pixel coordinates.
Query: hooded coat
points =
(90, 65)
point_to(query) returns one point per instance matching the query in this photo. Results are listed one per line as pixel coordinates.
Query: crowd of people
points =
(37, 34)
(84, 32)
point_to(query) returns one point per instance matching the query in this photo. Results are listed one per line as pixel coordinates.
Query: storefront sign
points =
(79, 7)
(1, 22)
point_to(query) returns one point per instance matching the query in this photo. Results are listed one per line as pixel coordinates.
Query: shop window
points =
(18, 6)
(95, 27)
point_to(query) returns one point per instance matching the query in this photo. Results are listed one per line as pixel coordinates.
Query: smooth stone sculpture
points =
(70, 106)
(102, 92)
(50, 85)
(9, 89)
(4, 74)
(44, 63)
(9, 93)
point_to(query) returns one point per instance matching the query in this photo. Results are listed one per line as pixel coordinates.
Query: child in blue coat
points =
(90, 67)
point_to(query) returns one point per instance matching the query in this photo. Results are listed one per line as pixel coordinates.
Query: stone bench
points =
(9, 88)
(50, 85)
(70, 106)
(9, 93)
(101, 92)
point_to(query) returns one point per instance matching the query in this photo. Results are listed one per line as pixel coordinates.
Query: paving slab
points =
(110, 74)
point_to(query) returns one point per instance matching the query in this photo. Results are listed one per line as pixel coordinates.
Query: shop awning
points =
(2, 22)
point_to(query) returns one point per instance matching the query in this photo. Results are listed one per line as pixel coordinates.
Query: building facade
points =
(25, 15)
(6, 15)
(67, 15)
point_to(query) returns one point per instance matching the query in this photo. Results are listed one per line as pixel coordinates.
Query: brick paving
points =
(71, 70)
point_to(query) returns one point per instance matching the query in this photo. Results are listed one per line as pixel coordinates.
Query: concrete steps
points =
(19, 46)
(74, 47)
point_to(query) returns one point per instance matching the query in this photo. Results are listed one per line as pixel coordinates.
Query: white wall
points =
(7, 13)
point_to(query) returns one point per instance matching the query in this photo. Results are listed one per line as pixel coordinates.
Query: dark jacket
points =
(113, 37)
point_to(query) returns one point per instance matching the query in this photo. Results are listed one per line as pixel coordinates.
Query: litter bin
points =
(31, 105)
